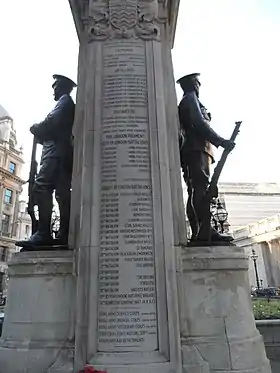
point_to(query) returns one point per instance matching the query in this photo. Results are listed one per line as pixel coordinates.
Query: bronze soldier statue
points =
(55, 134)
(197, 138)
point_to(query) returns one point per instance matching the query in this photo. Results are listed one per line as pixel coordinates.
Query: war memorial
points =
(121, 288)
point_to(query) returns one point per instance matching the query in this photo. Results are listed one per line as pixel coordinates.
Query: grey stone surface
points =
(270, 331)
(127, 312)
(216, 311)
(38, 333)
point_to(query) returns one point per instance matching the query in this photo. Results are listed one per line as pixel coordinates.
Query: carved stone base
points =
(38, 327)
(218, 331)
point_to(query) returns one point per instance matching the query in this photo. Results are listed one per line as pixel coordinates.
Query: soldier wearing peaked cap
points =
(55, 134)
(197, 138)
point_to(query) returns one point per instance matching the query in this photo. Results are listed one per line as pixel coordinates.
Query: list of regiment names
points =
(127, 312)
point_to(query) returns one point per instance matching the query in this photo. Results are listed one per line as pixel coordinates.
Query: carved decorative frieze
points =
(104, 19)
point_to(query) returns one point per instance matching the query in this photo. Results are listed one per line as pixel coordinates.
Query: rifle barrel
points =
(31, 181)
(218, 169)
(34, 149)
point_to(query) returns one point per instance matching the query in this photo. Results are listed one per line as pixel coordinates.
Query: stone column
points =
(128, 215)
(274, 272)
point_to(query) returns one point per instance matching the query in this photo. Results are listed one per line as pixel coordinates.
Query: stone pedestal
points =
(218, 331)
(38, 333)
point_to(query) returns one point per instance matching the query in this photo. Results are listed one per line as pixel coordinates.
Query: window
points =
(15, 229)
(12, 168)
(4, 254)
(8, 196)
(5, 223)
(27, 230)
(1, 282)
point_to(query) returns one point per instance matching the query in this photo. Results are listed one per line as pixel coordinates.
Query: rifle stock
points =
(31, 182)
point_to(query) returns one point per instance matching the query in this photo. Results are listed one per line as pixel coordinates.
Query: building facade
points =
(247, 203)
(14, 221)
(263, 239)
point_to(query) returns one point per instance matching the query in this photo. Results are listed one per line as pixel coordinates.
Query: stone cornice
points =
(14, 152)
(263, 237)
(264, 230)
(7, 241)
(8, 175)
(6, 117)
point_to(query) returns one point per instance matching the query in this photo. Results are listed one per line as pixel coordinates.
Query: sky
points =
(234, 44)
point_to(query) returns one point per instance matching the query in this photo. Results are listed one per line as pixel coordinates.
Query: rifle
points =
(218, 169)
(212, 189)
(31, 182)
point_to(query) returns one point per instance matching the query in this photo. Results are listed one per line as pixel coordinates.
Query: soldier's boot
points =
(218, 237)
(206, 232)
(43, 235)
(64, 214)
(212, 236)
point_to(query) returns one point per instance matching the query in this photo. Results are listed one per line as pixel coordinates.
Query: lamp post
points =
(55, 223)
(213, 206)
(254, 257)
(220, 215)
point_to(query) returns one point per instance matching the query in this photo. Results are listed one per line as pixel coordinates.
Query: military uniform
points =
(55, 134)
(196, 149)
(196, 154)
(57, 159)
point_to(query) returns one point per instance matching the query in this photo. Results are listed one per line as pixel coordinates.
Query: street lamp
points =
(254, 257)
(213, 206)
(220, 215)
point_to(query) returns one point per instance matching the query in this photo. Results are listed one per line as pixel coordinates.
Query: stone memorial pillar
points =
(126, 136)
(112, 302)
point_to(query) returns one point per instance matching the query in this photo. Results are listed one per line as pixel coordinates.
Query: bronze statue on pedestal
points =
(196, 140)
(55, 174)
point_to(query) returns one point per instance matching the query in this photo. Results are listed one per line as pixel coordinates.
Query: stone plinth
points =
(38, 329)
(218, 331)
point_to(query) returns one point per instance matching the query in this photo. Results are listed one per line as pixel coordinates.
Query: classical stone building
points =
(264, 238)
(248, 203)
(15, 223)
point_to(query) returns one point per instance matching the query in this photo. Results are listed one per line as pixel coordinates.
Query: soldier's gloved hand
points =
(33, 130)
(227, 144)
